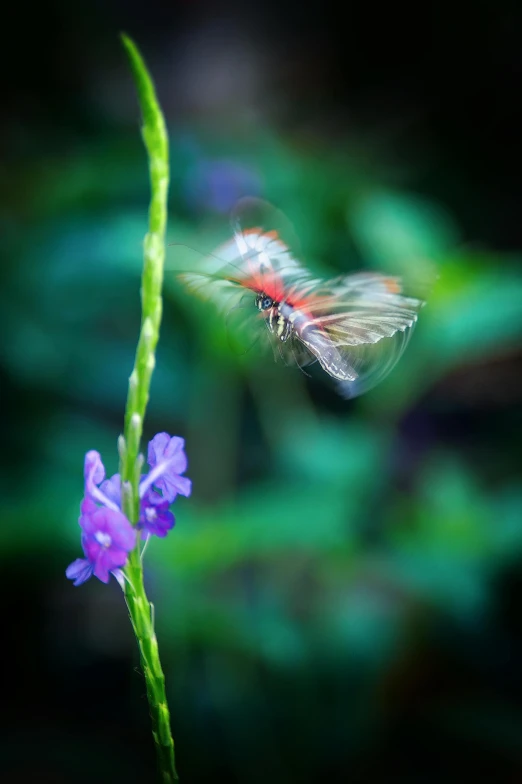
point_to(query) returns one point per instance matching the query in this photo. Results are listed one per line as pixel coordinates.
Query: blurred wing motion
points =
(257, 258)
(355, 326)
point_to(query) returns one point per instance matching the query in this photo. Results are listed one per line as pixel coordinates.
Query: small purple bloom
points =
(107, 539)
(107, 535)
(167, 459)
(155, 517)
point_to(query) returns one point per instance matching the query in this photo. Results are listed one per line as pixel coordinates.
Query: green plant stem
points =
(142, 617)
(156, 142)
(140, 610)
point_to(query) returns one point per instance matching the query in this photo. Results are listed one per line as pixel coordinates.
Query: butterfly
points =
(355, 326)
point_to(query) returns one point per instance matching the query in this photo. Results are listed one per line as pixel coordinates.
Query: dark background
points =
(340, 599)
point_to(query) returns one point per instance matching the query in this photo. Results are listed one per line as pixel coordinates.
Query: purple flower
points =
(167, 459)
(155, 517)
(107, 539)
(107, 535)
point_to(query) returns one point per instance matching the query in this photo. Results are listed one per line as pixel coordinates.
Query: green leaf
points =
(394, 230)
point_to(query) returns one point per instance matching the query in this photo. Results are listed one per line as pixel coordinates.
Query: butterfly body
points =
(356, 326)
(277, 323)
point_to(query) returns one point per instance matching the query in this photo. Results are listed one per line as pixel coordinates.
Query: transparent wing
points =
(357, 368)
(293, 352)
(222, 287)
(336, 362)
(373, 362)
(354, 310)
(256, 259)
(357, 327)
(265, 238)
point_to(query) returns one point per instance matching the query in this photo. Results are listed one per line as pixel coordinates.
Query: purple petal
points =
(103, 565)
(172, 485)
(108, 560)
(163, 448)
(94, 522)
(155, 517)
(109, 551)
(122, 533)
(167, 459)
(94, 471)
(152, 497)
(79, 571)
(113, 523)
(87, 509)
(118, 574)
(91, 548)
(87, 506)
(112, 489)
(118, 557)
(156, 520)
(161, 526)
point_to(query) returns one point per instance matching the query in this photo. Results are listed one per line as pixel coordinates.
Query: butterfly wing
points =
(373, 362)
(258, 258)
(264, 236)
(357, 326)
(223, 288)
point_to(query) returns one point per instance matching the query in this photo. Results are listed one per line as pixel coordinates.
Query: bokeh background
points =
(341, 597)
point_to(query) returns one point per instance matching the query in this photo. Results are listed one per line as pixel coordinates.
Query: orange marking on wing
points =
(271, 236)
(393, 286)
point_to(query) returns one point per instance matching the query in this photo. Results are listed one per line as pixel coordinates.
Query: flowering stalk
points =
(156, 142)
(140, 610)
